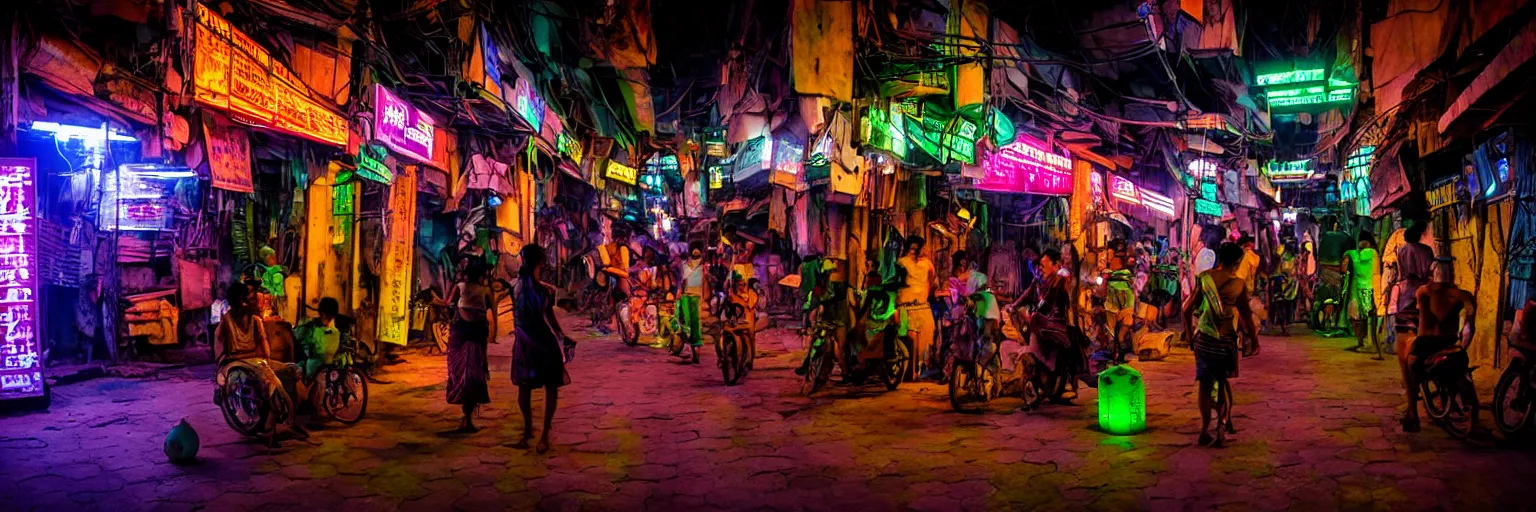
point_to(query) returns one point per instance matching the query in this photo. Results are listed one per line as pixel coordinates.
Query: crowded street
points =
(1316, 431)
(836, 255)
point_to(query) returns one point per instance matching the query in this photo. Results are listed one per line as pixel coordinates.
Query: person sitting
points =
(318, 339)
(242, 337)
(1444, 312)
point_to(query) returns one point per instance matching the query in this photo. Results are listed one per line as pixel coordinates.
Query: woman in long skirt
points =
(540, 348)
(473, 328)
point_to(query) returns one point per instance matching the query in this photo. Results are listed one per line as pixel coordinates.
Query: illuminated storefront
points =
(21, 363)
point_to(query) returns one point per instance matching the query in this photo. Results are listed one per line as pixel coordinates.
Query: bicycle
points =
(973, 368)
(734, 346)
(1450, 396)
(820, 356)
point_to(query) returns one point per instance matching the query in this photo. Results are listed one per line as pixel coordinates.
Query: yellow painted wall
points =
(1484, 347)
(326, 272)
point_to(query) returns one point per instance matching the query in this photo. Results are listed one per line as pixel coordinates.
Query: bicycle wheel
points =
(726, 349)
(1461, 415)
(440, 336)
(346, 394)
(964, 384)
(1437, 401)
(818, 364)
(628, 331)
(245, 410)
(1512, 400)
(895, 367)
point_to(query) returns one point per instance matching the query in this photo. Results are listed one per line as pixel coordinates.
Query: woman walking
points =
(539, 350)
(474, 325)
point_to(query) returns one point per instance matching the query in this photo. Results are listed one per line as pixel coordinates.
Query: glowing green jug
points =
(1122, 401)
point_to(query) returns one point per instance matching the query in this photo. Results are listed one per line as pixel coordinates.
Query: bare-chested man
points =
(1446, 320)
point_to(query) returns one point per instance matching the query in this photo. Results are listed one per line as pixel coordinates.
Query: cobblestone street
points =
(1318, 431)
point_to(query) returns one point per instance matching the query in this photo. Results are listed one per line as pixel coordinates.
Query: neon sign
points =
(568, 146)
(787, 155)
(528, 104)
(886, 130)
(622, 173)
(403, 128)
(1025, 166)
(370, 164)
(1295, 170)
(21, 363)
(1207, 207)
(1209, 191)
(1203, 168)
(232, 72)
(1355, 185)
(1122, 189)
(716, 177)
(1289, 77)
(1157, 202)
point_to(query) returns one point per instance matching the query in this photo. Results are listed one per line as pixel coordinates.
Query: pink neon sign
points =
(403, 128)
(1026, 166)
(1123, 190)
(21, 364)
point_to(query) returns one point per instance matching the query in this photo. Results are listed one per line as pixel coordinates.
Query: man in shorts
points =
(1222, 297)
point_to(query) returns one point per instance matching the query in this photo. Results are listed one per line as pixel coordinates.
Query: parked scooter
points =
(1516, 390)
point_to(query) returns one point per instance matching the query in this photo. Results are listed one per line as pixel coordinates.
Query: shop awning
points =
(1513, 57)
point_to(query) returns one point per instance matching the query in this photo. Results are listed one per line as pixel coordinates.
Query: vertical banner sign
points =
(229, 155)
(21, 364)
(395, 282)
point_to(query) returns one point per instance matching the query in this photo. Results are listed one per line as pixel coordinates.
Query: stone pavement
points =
(635, 431)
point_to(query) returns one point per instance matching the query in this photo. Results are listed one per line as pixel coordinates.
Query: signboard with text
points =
(1026, 166)
(396, 281)
(21, 363)
(229, 154)
(402, 128)
(233, 73)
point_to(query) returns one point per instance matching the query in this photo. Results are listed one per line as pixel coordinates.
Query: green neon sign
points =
(1208, 207)
(1289, 77)
(1208, 190)
(370, 163)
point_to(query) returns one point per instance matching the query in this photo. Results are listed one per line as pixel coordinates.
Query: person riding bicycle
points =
(967, 292)
(1052, 340)
(617, 258)
(829, 298)
(242, 338)
(1446, 315)
(1222, 296)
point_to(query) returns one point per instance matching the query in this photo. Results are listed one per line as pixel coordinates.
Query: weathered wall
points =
(325, 273)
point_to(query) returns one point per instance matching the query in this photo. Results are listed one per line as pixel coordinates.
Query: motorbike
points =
(734, 344)
(975, 364)
(1450, 397)
(883, 328)
(1516, 390)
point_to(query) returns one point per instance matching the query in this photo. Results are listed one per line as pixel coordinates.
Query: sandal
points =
(1205, 438)
(543, 446)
